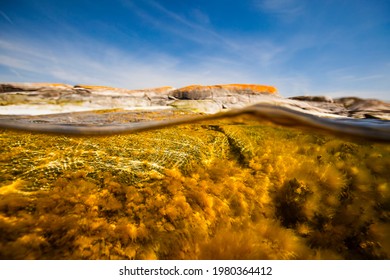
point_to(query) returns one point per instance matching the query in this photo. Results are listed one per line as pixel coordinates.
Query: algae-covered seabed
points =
(223, 189)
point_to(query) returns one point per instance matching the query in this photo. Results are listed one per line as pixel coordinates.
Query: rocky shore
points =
(29, 98)
(350, 106)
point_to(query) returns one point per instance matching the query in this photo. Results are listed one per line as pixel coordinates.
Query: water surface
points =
(240, 186)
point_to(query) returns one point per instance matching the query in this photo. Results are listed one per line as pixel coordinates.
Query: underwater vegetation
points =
(223, 189)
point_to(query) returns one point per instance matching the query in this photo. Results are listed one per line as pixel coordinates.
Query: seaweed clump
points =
(221, 190)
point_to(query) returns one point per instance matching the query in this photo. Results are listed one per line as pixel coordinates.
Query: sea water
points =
(228, 188)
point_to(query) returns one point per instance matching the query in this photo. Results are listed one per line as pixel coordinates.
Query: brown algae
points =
(222, 189)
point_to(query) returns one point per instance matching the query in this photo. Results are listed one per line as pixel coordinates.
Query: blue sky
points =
(303, 47)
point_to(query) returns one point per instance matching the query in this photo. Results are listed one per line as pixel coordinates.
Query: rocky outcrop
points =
(219, 97)
(119, 97)
(98, 96)
(39, 93)
(56, 98)
(357, 105)
(349, 106)
(197, 92)
(325, 99)
(226, 96)
(40, 87)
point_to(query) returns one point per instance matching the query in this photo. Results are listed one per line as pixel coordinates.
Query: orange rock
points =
(253, 87)
(96, 87)
(233, 87)
(199, 92)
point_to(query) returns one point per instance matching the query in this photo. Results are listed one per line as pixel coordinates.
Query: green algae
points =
(222, 189)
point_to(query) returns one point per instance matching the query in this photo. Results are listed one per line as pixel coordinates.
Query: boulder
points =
(228, 96)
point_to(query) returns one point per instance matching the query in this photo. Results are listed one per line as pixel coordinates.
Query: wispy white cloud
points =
(196, 31)
(6, 17)
(354, 78)
(70, 63)
(15, 63)
(248, 49)
(200, 17)
(350, 75)
(285, 9)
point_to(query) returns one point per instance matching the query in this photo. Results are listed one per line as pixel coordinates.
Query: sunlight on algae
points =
(226, 189)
